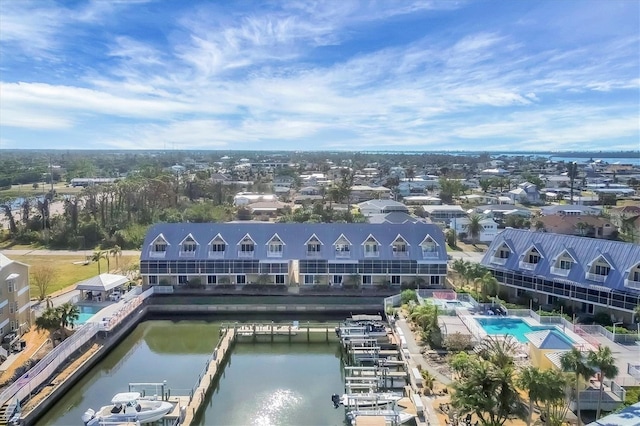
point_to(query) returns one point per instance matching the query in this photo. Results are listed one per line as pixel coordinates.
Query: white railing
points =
(498, 260)
(216, 254)
(343, 255)
(634, 370)
(526, 265)
(632, 284)
(187, 253)
(560, 271)
(595, 277)
(162, 289)
(157, 253)
(245, 254)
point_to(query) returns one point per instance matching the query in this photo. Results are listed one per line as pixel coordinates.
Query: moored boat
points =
(128, 407)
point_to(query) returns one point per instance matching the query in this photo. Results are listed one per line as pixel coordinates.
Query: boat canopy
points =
(125, 397)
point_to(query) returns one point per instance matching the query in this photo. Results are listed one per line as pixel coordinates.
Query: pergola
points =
(99, 287)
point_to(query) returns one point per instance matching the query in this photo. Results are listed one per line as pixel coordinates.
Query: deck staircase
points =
(4, 415)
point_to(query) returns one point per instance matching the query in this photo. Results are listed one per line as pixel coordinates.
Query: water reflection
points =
(272, 408)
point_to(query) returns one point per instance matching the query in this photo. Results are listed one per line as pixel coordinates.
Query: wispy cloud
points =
(291, 75)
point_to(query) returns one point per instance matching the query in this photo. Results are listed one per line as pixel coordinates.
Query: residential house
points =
(293, 253)
(478, 199)
(570, 210)
(627, 219)
(394, 217)
(367, 208)
(421, 200)
(561, 181)
(588, 274)
(489, 228)
(586, 226)
(15, 305)
(526, 193)
(365, 192)
(245, 198)
(443, 213)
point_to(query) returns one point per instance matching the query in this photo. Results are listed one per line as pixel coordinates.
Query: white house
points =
(525, 193)
(487, 234)
(245, 198)
(368, 208)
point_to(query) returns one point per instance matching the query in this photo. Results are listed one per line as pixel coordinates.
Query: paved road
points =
(470, 256)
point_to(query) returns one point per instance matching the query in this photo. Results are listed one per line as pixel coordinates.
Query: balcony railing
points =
(314, 254)
(245, 254)
(401, 254)
(371, 254)
(595, 277)
(216, 254)
(187, 253)
(499, 260)
(632, 284)
(157, 253)
(343, 254)
(560, 271)
(274, 254)
(429, 254)
(526, 265)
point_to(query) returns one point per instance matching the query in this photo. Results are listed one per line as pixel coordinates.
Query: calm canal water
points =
(264, 384)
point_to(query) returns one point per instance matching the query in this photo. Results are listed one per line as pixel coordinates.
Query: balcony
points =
(245, 254)
(371, 254)
(400, 254)
(632, 284)
(526, 265)
(272, 254)
(429, 254)
(313, 254)
(595, 277)
(157, 254)
(560, 271)
(216, 254)
(499, 260)
(343, 254)
(187, 253)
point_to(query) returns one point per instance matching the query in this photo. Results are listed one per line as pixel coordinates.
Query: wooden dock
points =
(216, 364)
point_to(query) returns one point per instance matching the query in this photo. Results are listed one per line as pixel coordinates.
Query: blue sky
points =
(332, 75)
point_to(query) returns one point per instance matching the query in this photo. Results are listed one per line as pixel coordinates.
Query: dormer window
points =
(429, 247)
(188, 246)
(313, 245)
(343, 247)
(530, 259)
(599, 270)
(217, 246)
(633, 277)
(158, 247)
(563, 264)
(371, 247)
(275, 247)
(501, 254)
(400, 247)
(246, 247)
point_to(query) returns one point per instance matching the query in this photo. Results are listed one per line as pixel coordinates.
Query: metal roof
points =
(294, 236)
(621, 256)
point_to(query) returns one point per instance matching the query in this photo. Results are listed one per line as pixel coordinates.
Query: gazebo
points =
(100, 287)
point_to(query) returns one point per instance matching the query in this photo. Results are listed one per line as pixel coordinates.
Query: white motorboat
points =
(128, 407)
(365, 400)
(390, 416)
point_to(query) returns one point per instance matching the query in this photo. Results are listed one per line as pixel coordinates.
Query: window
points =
(279, 279)
(246, 247)
(160, 247)
(309, 279)
(189, 246)
(635, 276)
(366, 279)
(275, 249)
(153, 279)
(10, 286)
(435, 279)
(218, 247)
(395, 279)
(182, 279)
(429, 247)
(503, 253)
(602, 270)
(13, 325)
(534, 256)
(241, 279)
(370, 249)
(212, 279)
(10, 308)
(313, 248)
(343, 248)
(337, 279)
(565, 264)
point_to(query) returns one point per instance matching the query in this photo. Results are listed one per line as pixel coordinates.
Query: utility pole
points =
(573, 167)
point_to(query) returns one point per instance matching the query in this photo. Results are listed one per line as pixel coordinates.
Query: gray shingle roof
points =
(294, 237)
(621, 256)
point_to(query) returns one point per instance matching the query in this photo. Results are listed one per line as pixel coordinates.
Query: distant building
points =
(367, 208)
(487, 234)
(525, 193)
(15, 305)
(570, 210)
(443, 213)
(245, 198)
(586, 226)
(91, 181)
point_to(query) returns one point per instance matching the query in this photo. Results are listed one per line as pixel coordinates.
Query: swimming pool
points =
(515, 327)
(86, 312)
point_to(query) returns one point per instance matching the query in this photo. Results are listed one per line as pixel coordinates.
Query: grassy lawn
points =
(29, 191)
(69, 269)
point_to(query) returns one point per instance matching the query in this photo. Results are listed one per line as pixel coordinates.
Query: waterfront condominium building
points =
(15, 314)
(294, 253)
(591, 275)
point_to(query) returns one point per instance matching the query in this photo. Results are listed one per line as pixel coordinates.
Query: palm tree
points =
(116, 252)
(547, 391)
(530, 380)
(636, 313)
(573, 362)
(68, 314)
(603, 360)
(488, 284)
(460, 266)
(97, 257)
(49, 321)
(474, 228)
